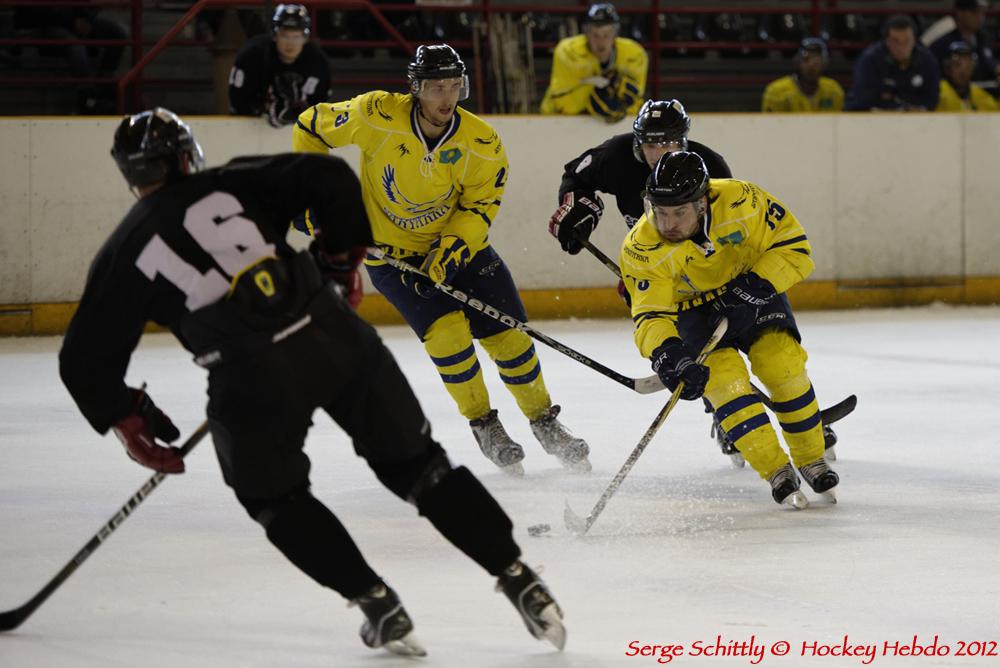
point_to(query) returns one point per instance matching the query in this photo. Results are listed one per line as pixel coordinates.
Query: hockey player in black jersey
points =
(281, 74)
(620, 167)
(203, 253)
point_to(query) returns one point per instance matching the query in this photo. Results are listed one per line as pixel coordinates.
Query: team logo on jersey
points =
(636, 256)
(402, 149)
(374, 106)
(647, 248)
(489, 140)
(643, 285)
(450, 156)
(733, 239)
(692, 291)
(424, 213)
(743, 198)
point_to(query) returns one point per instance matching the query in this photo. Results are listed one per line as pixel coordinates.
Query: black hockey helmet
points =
(601, 14)
(659, 122)
(437, 61)
(677, 178)
(154, 146)
(291, 17)
(812, 46)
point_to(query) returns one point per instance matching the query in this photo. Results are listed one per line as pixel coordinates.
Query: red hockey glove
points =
(342, 269)
(575, 219)
(139, 430)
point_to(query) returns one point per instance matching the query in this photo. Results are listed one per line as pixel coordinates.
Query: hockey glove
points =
(284, 103)
(674, 364)
(748, 289)
(446, 257)
(342, 270)
(139, 430)
(575, 220)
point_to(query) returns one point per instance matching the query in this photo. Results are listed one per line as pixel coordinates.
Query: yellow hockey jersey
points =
(747, 229)
(784, 94)
(979, 99)
(573, 62)
(415, 189)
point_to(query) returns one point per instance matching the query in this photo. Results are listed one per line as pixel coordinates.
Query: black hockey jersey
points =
(179, 249)
(612, 168)
(259, 75)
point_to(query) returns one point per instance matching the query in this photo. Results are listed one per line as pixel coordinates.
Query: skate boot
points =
(829, 440)
(556, 440)
(533, 600)
(497, 444)
(785, 488)
(822, 479)
(387, 624)
(726, 445)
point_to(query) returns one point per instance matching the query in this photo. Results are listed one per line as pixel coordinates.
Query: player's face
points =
(439, 97)
(960, 68)
(289, 44)
(653, 152)
(677, 223)
(601, 40)
(900, 44)
(811, 66)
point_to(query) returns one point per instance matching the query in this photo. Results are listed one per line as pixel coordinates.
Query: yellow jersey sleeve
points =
(783, 255)
(572, 62)
(982, 101)
(784, 95)
(325, 126)
(480, 195)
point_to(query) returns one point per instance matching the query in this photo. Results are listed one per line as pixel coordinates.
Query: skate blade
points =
(408, 645)
(796, 500)
(579, 466)
(550, 627)
(830, 495)
(515, 469)
(574, 522)
(737, 461)
(831, 454)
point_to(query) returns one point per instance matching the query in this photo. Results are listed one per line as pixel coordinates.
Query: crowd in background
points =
(599, 72)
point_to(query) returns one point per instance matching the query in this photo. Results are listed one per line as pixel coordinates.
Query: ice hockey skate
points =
(829, 441)
(785, 488)
(533, 600)
(497, 444)
(726, 445)
(387, 624)
(822, 479)
(557, 440)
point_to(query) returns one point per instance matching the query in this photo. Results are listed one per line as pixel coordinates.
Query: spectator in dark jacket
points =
(896, 73)
(970, 16)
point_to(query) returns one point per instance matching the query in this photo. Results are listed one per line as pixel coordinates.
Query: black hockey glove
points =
(575, 220)
(284, 103)
(748, 289)
(674, 364)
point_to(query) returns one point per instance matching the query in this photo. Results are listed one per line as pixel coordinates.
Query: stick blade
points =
(840, 410)
(11, 619)
(574, 522)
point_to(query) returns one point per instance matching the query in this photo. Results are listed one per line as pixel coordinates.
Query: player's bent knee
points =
(410, 478)
(265, 511)
(776, 357)
(727, 378)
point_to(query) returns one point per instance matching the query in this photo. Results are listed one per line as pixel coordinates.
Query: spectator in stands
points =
(85, 61)
(598, 72)
(807, 89)
(970, 16)
(895, 73)
(281, 74)
(958, 93)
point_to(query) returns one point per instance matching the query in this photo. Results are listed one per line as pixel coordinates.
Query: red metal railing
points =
(815, 10)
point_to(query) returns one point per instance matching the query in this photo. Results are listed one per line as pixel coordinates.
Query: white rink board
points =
(881, 196)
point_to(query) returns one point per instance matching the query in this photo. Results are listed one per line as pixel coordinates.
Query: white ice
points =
(689, 549)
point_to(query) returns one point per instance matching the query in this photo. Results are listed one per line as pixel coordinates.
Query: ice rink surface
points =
(688, 550)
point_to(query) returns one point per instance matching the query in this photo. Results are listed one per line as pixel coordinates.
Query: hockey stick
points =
(646, 385)
(11, 619)
(829, 415)
(579, 525)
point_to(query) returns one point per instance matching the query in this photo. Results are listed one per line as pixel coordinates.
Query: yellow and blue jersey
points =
(745, 229)
(415, 189)
(573, 63)
(784, 94)
(978, 100)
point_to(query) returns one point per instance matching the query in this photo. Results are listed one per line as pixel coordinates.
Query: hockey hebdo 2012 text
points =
(756, 650)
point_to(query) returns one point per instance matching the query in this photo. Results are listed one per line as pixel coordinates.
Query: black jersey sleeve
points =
(247, 79)
(289, 183)
(318, 67)
(100, 340)
(588, 173)
(714, 162)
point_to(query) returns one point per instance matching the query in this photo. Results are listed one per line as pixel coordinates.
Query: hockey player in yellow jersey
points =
(432, 178)
(807, 89)
(711, 247)
(958, 93)
(598, 72)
